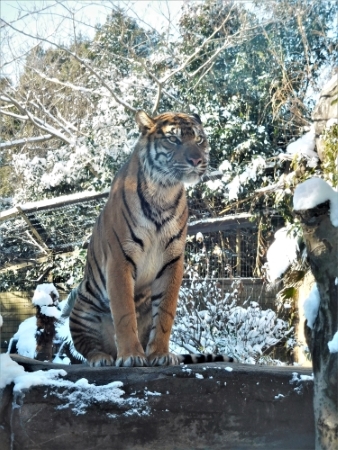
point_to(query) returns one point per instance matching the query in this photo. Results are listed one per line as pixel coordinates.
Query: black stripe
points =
(88, 286)
(187, 359)
(184, 212)
(139, 297)
(124, 199)
(89, 302)
(89, 318)
(127, 257)
(156, 297)
(102, 278)
(178, 199)
(146, 208)
(133, 235)
(170, 263)
(160, 154)
(175, 237)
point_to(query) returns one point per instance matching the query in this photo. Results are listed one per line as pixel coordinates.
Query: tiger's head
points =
(173, 147)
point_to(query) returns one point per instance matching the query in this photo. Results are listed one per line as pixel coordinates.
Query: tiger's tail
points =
(199, 358)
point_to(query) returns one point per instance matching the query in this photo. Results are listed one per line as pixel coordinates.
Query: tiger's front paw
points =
(132, 361)
(100, 359)
(163, 359)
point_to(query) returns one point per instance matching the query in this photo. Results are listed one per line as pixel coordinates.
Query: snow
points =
(281, 253)
(225, 166)
(12, 372)
(306, 377)
(85, 394)
(313, 192)
(305, 146)
(1, 321)
(311, 306)
(9, 370)
(296, 378)
(199, 376)
(331, 122)
(250, 173)
(333, 345)
(78, 396)
(51, 311)
(277, 397)
(26, 343)
(42, 295)
(214, 185)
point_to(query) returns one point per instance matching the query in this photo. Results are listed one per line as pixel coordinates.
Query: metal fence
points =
(35, 237)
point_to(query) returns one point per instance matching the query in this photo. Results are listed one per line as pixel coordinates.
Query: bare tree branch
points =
(23, 141)
(35, 120)
(82, 62)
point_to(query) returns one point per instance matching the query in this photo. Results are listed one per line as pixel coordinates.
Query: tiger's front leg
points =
(120, 289)
(165, 291)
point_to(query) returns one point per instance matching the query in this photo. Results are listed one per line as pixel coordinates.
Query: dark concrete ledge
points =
(202, 406)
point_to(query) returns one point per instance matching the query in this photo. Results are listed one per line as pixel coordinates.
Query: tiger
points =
(125, 305)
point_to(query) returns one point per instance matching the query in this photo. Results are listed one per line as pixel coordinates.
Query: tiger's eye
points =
(200, 140)
(173, 139)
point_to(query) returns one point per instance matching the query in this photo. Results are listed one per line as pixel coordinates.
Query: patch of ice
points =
(199, 376)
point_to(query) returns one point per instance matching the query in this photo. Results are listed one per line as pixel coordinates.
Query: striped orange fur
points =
(126, 304)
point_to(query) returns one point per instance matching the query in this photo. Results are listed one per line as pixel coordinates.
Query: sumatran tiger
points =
(125, 306)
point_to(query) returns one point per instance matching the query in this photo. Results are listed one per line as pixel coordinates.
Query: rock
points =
(214, 406)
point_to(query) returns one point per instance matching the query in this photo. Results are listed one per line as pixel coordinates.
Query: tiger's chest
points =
(159, 249)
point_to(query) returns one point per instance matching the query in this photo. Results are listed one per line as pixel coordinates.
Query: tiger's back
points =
(126, 303)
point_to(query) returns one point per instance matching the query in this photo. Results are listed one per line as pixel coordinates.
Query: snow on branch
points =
(24, 141)
(42, 125)
(82, 62)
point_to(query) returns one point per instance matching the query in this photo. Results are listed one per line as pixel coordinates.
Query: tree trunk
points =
(321, 239)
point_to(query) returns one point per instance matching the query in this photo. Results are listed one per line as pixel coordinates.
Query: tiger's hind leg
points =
(93, 337)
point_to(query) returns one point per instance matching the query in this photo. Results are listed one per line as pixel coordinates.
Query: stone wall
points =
(204, 406)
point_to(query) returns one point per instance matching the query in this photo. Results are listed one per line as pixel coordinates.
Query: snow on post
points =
(311, 306)
(312, 193)
(316, 207)
(46, 300)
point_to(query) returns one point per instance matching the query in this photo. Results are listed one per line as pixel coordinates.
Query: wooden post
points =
(321, 239)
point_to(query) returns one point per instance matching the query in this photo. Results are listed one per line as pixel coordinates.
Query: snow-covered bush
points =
(208, 320)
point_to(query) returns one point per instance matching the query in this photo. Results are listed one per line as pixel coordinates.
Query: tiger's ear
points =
(144, 121)
(197, 117)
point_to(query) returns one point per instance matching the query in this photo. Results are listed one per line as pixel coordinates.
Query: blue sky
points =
(51, 19)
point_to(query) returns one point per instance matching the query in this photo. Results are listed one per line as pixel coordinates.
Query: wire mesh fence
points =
(38, 239)
(222, 254)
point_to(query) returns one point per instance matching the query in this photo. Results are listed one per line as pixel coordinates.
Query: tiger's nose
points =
(194, 161)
